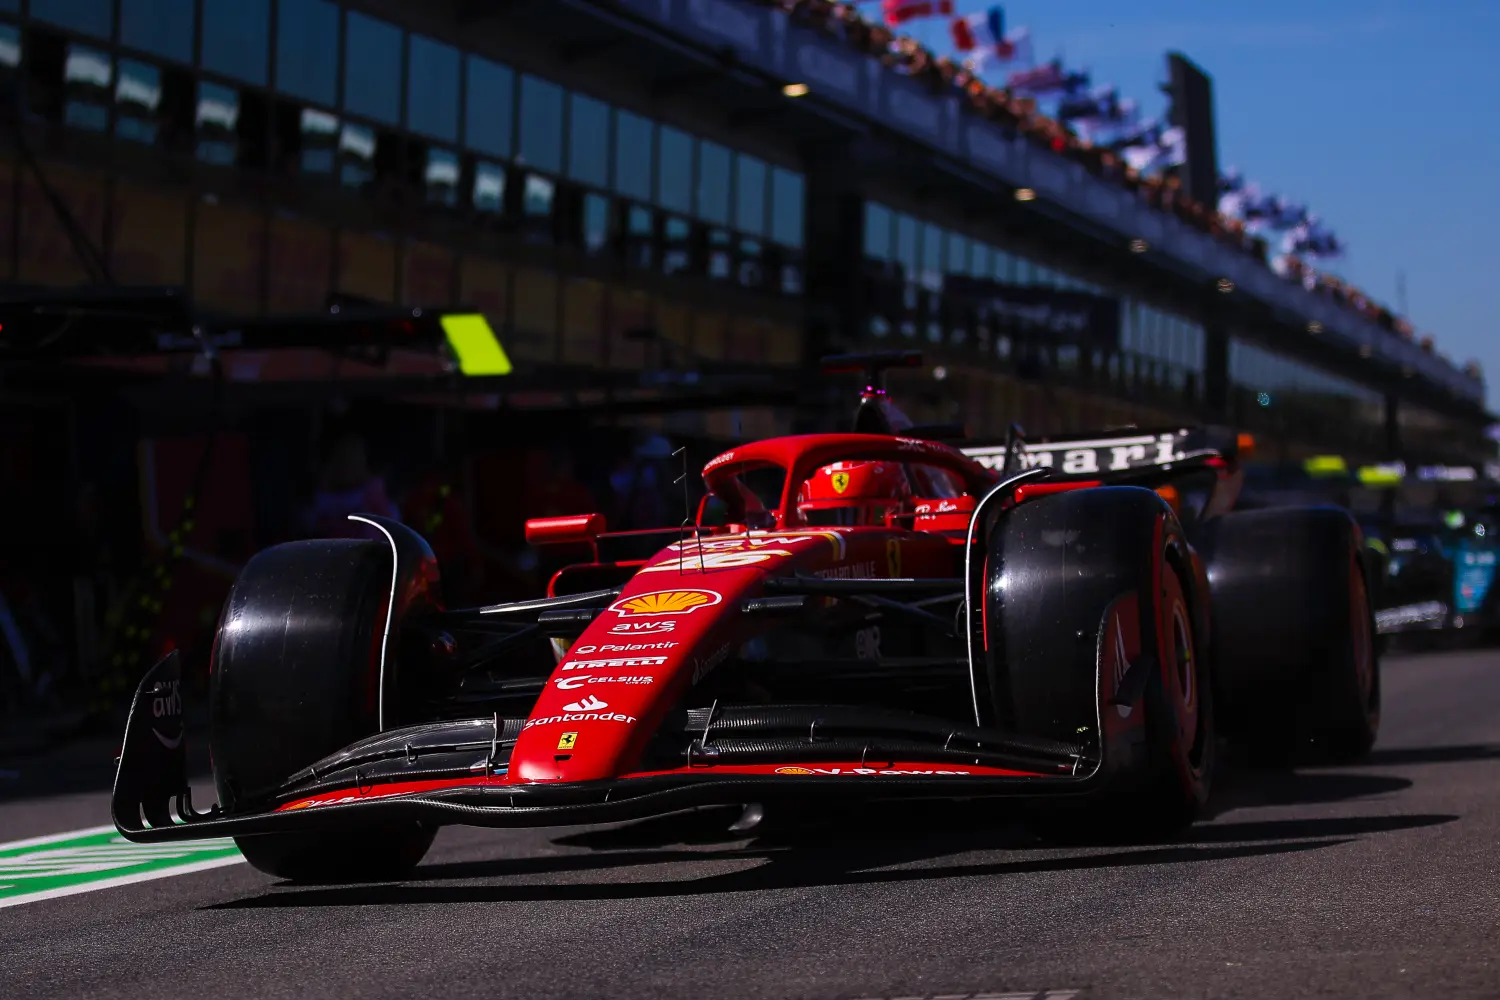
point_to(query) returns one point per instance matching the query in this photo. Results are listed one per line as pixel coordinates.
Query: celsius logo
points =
(589, 704)
(571, 683)
(630, 661)
(665, 602)
(643, 628)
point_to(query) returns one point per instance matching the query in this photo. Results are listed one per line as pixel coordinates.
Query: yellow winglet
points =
(475, 345)
(1325, 465)
(1389, 474)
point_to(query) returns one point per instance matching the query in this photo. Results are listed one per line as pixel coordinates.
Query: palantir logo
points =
(589, 704)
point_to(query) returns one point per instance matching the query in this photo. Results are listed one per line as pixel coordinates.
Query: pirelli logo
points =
(623, 661)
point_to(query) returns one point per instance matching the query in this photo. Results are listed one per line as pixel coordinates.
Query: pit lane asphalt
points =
(1373, 881)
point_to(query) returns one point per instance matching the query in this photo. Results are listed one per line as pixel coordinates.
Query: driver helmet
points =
(853, 493)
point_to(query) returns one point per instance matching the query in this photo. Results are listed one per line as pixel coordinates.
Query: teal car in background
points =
(1432, 538)
(1470, 543)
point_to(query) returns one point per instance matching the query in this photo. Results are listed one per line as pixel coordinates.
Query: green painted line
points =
(65, 864)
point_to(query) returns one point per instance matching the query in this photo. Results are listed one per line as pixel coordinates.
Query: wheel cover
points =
(1187, 665)
(1182, 680)
(1183, 670)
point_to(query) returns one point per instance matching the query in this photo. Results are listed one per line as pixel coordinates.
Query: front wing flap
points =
(456, 773)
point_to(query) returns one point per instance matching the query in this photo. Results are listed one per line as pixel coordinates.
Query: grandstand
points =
(638, 183)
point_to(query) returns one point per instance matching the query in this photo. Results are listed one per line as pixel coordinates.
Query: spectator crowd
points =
(1019, 114)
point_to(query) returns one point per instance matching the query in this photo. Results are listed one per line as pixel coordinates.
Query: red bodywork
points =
(800, 544)
(679, 615)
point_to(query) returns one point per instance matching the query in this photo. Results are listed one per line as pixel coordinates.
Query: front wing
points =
(456, 773)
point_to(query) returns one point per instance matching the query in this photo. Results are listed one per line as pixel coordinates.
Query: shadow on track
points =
(847, 863)
(701, 826)
(799, 869)
(1245, 788)
(1398, 756)
(1294, 829)
(997, 823)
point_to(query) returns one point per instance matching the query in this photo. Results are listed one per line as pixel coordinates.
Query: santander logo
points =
(589, 704)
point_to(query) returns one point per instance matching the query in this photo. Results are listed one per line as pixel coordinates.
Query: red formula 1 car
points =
(873, 615)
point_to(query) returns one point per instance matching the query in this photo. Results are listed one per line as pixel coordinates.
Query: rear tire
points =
(1299, 670)
(295, 676)
(1069, 576)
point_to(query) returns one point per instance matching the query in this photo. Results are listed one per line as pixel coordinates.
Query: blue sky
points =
(1380, 115)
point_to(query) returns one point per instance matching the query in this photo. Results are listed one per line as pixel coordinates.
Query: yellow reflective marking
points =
(475, 345)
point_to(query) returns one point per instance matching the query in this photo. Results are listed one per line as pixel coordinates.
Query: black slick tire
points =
(295, 676)
(1064, 574)
(1299, 664)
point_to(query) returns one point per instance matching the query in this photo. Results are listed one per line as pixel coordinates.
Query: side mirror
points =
(575, 529)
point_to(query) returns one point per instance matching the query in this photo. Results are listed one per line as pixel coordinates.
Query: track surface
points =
(1374, 881)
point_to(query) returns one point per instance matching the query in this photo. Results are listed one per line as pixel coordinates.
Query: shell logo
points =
(665, 602)
(794, 770)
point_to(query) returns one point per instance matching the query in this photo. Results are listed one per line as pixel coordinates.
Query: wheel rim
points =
(1184, 675)
(1181, 679)
(1182, 649)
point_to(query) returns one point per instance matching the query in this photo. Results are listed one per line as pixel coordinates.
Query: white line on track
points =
(103, 883)
(52, 838)
(110, 883)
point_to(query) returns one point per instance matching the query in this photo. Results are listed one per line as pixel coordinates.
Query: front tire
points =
(1073, 580)
(295, 676)
(377, 854)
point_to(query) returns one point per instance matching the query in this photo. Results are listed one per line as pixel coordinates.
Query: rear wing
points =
(1114, 454)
